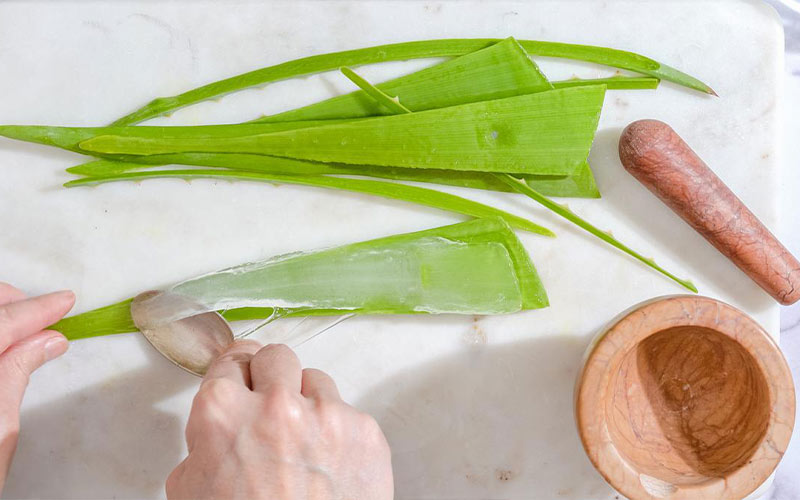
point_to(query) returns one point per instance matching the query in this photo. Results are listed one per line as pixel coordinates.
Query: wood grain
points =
(685, 397)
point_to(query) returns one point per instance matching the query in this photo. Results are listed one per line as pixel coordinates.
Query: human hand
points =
(263, 428)
(24, 347)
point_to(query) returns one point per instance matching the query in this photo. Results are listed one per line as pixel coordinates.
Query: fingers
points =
(21, 319)
(319, 385)
(10, 294)
(273, 365)
(20, 360)
(234, 363)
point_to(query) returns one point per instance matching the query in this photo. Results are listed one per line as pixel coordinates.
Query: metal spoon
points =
(192, 343)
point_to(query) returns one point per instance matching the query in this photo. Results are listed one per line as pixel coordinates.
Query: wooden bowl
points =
(684, 397)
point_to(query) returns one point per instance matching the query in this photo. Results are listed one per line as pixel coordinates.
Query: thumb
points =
(20, 360)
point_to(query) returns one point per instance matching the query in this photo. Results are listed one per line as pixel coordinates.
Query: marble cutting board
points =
(474, 407)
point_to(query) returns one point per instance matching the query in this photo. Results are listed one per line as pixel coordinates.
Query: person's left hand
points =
(24, 347)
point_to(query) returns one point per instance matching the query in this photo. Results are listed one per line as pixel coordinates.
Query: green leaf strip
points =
(404, 51)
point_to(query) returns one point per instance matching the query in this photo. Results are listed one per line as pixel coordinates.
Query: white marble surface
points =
(473, 407)
(787, 479)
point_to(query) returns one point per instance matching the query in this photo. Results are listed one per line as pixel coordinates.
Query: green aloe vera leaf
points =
(404, 51)
(391, 104)
(500, 70)
(580, 185)
(612, 83)
(543, 133)
(392, 190)
(521, 187)
(116, 318)
(69, 138)
(475, 267)
(568, 214)
(429, 271)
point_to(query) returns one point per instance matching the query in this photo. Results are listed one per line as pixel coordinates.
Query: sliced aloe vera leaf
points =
(543, 133)
(392, 190)
(521, 187)
(432, 271)
(404, 51)
(500, 70)
(69, 138)
(580, 185)
(613, 83)
(568, 214)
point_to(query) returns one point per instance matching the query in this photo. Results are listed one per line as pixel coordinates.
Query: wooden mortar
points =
(684, 397)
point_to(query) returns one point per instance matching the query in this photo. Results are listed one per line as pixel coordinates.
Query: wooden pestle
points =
(657, 156)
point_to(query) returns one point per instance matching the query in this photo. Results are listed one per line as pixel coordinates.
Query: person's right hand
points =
(263, 428)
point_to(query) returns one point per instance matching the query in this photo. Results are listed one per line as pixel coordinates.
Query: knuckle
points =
(215, 405)
(283, 405)
(18, 367)
(171, 485)
(7, 318)
(371, 430)
(272, 351)
(219, 389)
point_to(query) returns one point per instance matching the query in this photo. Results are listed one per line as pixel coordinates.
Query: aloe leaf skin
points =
(404, 51)
(501, 70)
(542, 133)
(545, 133)
(498, 71)
(613, 83)
(392, 190)
(521, 187)
(69, 138)
(513, 263)
(580, 185)
(390, 104)
(568, 214)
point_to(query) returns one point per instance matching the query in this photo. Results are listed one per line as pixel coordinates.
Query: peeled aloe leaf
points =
(393, 190)
(404, 51)
(544, 133)
(476, 267)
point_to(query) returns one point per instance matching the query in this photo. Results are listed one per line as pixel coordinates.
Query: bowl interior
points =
(688, 404)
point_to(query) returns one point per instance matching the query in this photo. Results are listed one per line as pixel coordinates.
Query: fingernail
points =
(55, 347)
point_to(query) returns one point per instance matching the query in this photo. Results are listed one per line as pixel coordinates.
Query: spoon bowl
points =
(192, 343)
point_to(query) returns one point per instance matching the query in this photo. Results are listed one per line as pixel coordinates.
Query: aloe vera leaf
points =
(69, 138)
(579, 185)
(393, 190)
(421, 272)
(393, 105)
(404, 51)
(439, 272)
(543, 133)
(520, 186)
(116, 318)
(612, 83)
(568, 214)
(498, 71)
(502, 69)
